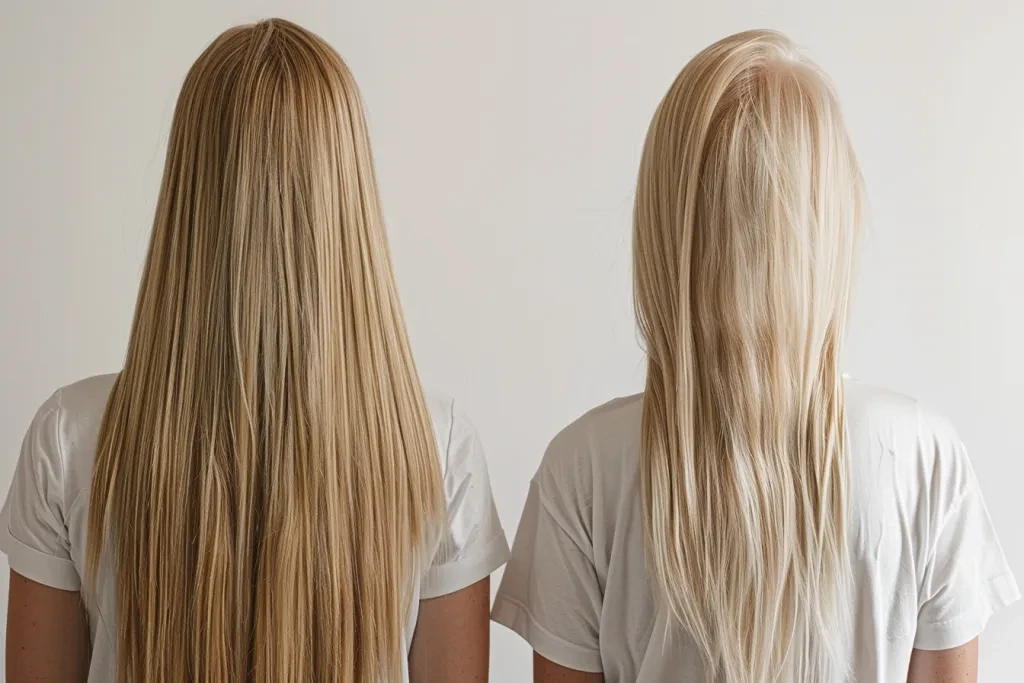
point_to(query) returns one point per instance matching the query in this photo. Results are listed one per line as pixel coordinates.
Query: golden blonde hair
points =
(266, 477)
(746, 222)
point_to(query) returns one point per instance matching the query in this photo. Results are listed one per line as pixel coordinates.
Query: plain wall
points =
(507, 137)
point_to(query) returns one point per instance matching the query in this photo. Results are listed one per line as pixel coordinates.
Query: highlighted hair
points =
(266, 480)
(747, 214)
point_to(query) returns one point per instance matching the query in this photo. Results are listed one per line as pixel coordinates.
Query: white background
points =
(507, 137)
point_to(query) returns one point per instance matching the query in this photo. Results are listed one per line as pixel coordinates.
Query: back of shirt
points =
(928, 571)
(44, 520)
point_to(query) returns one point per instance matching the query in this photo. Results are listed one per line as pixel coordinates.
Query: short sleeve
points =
(33, 531)
(473, 542)
(550, 594)
(966, 578)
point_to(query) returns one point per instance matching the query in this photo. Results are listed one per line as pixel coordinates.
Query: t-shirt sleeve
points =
(966, 578)
(33, 531)
(473, 542)
(550, 594)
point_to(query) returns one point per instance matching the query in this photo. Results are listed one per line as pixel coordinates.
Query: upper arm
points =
(956, 665)
(452, 639)
(47, 633)
(546, 671)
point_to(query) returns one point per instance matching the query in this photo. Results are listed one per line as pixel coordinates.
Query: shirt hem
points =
(516, 617)
(38, 566)
(454, 576)
(999, 593)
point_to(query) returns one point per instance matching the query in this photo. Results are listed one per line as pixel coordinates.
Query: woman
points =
(752, 516)
(264, 492)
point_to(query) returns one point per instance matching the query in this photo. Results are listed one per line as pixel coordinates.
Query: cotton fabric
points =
(44, 520)
(928, 571)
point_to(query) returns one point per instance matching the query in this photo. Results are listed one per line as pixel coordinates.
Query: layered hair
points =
(266, 480)
(748, 210)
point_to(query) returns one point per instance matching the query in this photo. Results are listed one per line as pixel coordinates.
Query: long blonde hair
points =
(267, 477)
(746, 222)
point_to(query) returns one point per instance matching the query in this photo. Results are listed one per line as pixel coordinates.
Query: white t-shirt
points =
(45, 518)
(928, 569)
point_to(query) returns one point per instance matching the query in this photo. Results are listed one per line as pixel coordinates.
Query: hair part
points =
(266, 477)
(747, 213)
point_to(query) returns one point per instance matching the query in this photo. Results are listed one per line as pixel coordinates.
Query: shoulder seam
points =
(448, 441)
(957, 503)
(546, 506)
(60, 454)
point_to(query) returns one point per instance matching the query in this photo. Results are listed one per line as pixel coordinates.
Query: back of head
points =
(746, 221)
(266, 474)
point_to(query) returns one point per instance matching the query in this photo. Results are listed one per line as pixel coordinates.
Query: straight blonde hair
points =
(266, 478)
(747, 214)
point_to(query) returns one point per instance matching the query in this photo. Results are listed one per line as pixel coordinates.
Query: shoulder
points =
(458, 444)
(603, 444)
(877, 408)
(922, 443)
(84, 402)
(82, 406)
(900, 422)
(74, 410)
(55, 465)
(74, 414)
(609, 425)
(441, 407)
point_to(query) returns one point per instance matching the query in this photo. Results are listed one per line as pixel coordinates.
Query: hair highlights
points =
(266, 475)
(746, 221)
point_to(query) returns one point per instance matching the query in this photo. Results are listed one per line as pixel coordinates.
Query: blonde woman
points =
(752, 517)
(264, 492)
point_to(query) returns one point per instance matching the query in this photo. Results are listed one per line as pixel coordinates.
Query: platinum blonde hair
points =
(266, 477)
(747, 215)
